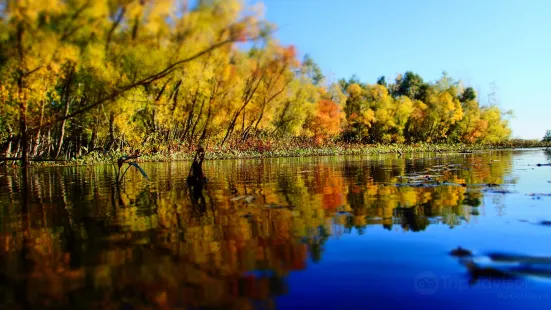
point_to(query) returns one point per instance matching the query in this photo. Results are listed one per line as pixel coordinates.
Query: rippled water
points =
(323, 233)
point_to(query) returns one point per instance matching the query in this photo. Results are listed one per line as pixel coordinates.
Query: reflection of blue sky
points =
(379, 267)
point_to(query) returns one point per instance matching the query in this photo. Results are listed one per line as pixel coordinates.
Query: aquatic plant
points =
(127, 160)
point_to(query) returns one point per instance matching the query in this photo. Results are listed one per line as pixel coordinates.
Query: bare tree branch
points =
(152, 78)
(115, 24)
(68, 32)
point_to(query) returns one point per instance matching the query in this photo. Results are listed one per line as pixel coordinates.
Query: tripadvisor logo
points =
(427, 283)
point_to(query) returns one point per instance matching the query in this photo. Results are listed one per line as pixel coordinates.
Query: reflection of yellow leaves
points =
(408, 198)
(372, 190)
(427, 196)
(359, 221)
(386, 191)
(222, 243)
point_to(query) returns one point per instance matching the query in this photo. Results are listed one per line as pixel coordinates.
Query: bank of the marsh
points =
(267, 229)
(285, 149)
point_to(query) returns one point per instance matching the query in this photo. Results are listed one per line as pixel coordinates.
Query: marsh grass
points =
(294, 148)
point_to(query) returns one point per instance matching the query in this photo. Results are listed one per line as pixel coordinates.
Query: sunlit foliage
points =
(411, 110)
(162, 76)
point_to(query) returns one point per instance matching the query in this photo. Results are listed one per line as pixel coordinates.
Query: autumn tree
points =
(326, 122)
(161, 76)
(85, 56)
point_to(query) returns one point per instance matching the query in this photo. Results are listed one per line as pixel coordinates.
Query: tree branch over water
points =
(144, 81)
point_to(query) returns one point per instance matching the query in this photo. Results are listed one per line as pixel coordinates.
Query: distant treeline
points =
(156, 76)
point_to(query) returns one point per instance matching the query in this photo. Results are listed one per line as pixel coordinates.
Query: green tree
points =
(468, 94)
(313, 70)
(410, 85)
(382, 81)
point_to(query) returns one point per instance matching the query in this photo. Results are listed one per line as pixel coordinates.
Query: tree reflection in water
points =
(70, 237)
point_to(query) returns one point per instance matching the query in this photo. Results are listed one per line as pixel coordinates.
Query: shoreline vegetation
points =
(288, 149)
(82, 79)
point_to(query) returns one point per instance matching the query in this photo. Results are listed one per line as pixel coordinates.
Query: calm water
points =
(322, 233)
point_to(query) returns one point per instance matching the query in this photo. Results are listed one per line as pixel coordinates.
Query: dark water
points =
(321, 233)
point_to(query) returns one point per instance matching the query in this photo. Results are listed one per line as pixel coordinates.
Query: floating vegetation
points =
(539, 195)
(498, 191)
(521, 259)
(131, 161)
(460, 252)
(244, 198)
(497, 265)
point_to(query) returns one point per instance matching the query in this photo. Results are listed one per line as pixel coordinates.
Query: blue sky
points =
(480, 42)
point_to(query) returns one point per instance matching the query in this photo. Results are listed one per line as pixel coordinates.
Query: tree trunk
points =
(281, 121)
(196, 122)
(246, 98)
(7, 151)
(247, 130)
(18, 149)
(24, 134)
(38, 133)
(111, 130)
(204, 134)
(64, 121)
(79, 145)
(92, 144)
(190, 114)
(23, 124)
(61, 133)
(49, 141)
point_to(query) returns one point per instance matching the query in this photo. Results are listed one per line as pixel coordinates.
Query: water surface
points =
(286, 233)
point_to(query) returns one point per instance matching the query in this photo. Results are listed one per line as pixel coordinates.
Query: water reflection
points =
(70, 236)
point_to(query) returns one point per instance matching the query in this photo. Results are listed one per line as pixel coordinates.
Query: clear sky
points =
(506, 42)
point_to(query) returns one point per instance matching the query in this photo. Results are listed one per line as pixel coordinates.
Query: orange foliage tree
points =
(326, 122)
